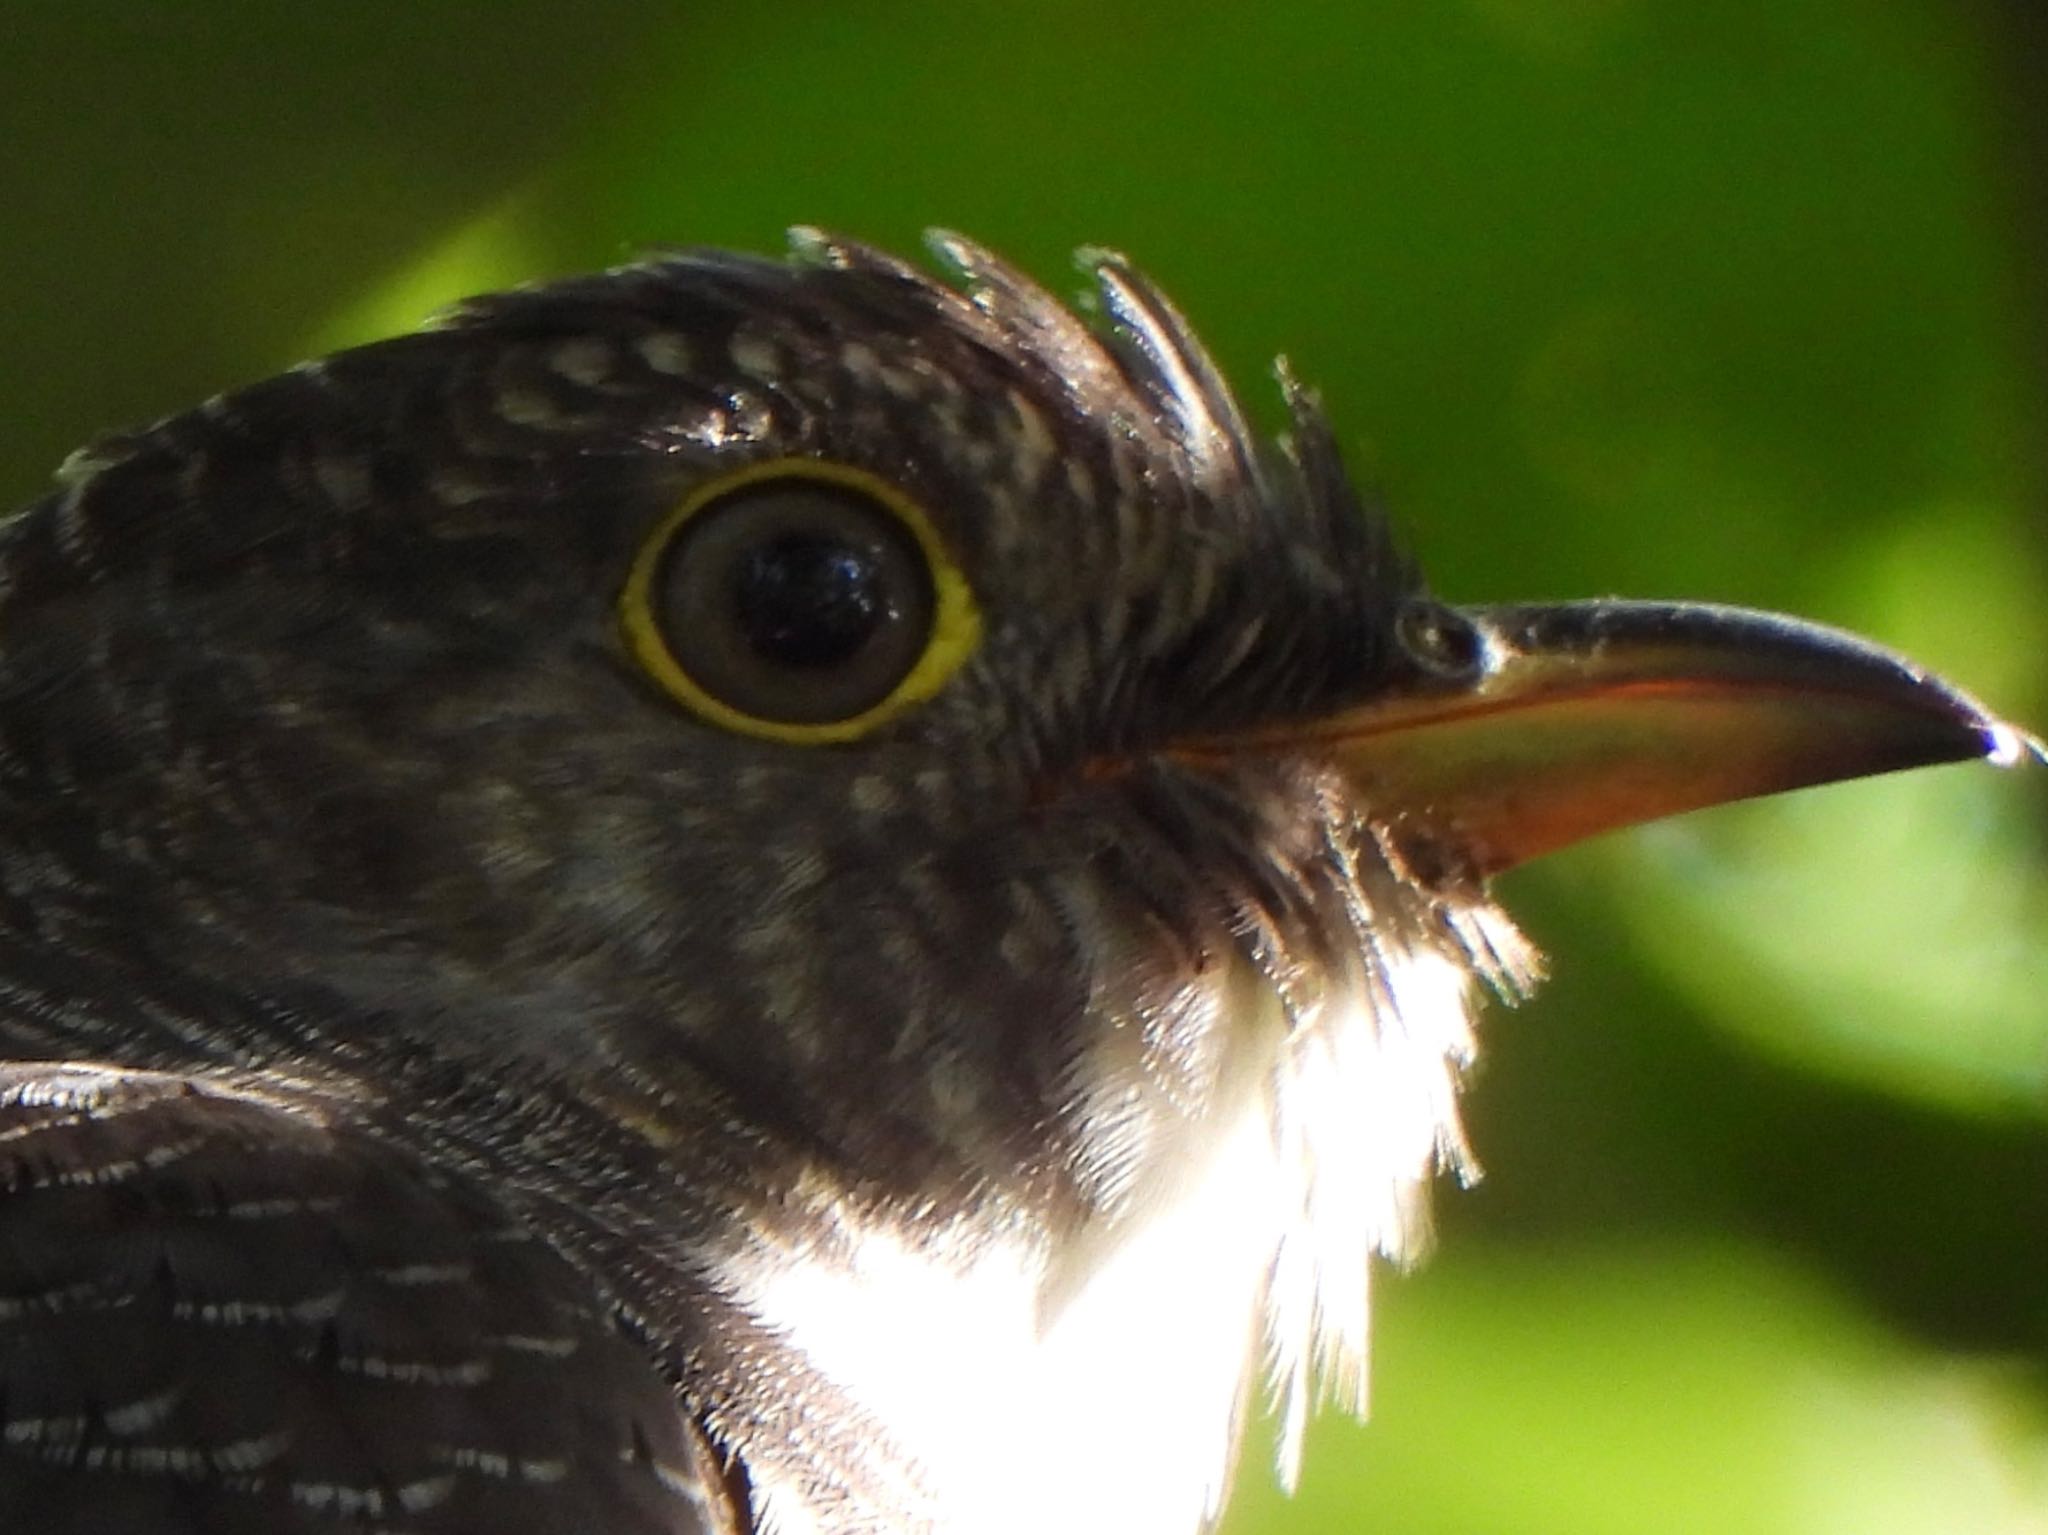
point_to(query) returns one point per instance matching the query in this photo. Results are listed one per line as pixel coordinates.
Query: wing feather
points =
(222, 1313)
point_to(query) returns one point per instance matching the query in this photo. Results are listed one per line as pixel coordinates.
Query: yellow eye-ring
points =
(799, 601)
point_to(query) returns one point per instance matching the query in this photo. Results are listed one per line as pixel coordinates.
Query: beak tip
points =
(2007, 745)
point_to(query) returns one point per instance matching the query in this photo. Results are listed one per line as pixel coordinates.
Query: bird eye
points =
(800, 601)
(1441, 638)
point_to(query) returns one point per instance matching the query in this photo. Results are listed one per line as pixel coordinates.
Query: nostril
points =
(1440, 639)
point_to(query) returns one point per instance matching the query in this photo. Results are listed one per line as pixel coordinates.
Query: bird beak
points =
(1579, 718)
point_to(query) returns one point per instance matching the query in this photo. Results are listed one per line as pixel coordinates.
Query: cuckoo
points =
(768, 894)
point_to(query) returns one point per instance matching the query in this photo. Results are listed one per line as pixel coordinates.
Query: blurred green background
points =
(1730, 299)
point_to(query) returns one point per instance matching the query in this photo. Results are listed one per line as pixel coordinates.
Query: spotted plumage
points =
(458, 1088)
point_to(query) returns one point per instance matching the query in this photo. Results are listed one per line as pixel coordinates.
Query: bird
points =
(801, 894)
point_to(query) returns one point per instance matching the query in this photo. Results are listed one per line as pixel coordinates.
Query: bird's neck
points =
(1230, 1121)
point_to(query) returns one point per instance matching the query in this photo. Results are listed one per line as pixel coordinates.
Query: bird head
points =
(899, 751)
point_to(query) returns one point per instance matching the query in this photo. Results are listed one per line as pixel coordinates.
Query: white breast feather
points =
(1036, 1400)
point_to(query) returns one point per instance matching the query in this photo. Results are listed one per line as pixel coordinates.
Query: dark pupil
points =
(807, 599)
